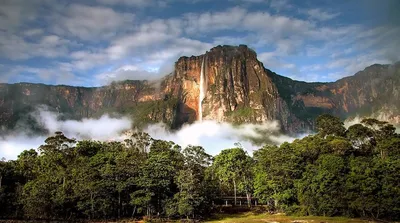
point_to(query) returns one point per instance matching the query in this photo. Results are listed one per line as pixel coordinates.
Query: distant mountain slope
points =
(375, 92)
(236, 88)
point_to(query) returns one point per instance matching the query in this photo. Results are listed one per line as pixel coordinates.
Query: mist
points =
(215, 136)
(211, 135)
(357, 120)
(103, 128)
(22, 138)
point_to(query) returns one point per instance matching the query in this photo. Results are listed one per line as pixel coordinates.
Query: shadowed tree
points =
(361, 137)
(330, 125)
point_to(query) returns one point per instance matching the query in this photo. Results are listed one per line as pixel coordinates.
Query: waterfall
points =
(202, 93)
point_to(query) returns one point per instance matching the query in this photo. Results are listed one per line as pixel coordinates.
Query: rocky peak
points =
(236, 86)
(227, 51)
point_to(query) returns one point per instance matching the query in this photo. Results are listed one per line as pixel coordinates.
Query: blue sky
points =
(93, 42)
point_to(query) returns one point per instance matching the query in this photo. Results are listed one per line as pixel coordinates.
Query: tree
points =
(389, 147)
(230, 167)
(372, 187)
(10, 180)
(156, 179)
(320, 191)
(372, 135)
(362, 186)
(330, 125)
(276, 170)
(193, 196)
(56, 143)
(356, 174)
(341, 146)
(46, 195)
(361, 137)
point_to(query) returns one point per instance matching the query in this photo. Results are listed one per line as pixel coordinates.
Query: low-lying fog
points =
(213, 136)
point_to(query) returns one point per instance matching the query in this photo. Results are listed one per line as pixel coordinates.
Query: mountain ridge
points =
(159, 79)
(237, 88)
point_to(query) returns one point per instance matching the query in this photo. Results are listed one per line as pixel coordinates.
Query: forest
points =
(334, 172)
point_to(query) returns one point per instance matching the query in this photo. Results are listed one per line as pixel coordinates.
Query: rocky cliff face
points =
(373, 92)
(146, 101)
(234, 87)
(237, 88)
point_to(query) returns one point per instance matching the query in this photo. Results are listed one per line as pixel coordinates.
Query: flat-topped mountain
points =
(227, 83)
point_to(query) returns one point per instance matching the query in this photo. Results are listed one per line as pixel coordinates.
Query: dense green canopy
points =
(338, 171)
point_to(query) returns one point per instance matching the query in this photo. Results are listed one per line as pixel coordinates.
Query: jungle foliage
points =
(335, 172)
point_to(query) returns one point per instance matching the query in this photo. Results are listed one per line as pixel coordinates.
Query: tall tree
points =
(156, 180)
(230, 166)
(275, 174)
(330, 125)
(193, 197)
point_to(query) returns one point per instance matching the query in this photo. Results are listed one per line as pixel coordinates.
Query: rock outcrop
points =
(236, 85)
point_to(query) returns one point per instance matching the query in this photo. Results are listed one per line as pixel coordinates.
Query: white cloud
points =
(313, 67)
(105, 128)
(91, 23)
(58, 74)
(213, 136)
(155, 63)
(84, 60)
(272, 60)
(280, 5)
(14, 13)
(321, 15)
(104, 36)
(211, 21)
(128, 72)
(122, 46)
(51, 40)
(12, 145)
(33, 32)
(126, 2)
(15, 47)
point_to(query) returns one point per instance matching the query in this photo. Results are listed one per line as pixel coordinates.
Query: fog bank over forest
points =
(212, 135)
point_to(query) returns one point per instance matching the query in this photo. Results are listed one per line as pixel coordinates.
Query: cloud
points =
(211, 21)
(272, 60)
(15, 47)
(14, 13)
(154, 44)
(12, 145)
(91, 23)
(101, 36)
(104, 128)
(213, 136)
(382, 116)
(87, 59)
(240, 19)
(280, 5)
(131, 72)
(352, 65)
(123, 46)
(59, 74)
(321, 15)
(126, 2)
(33, 32)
